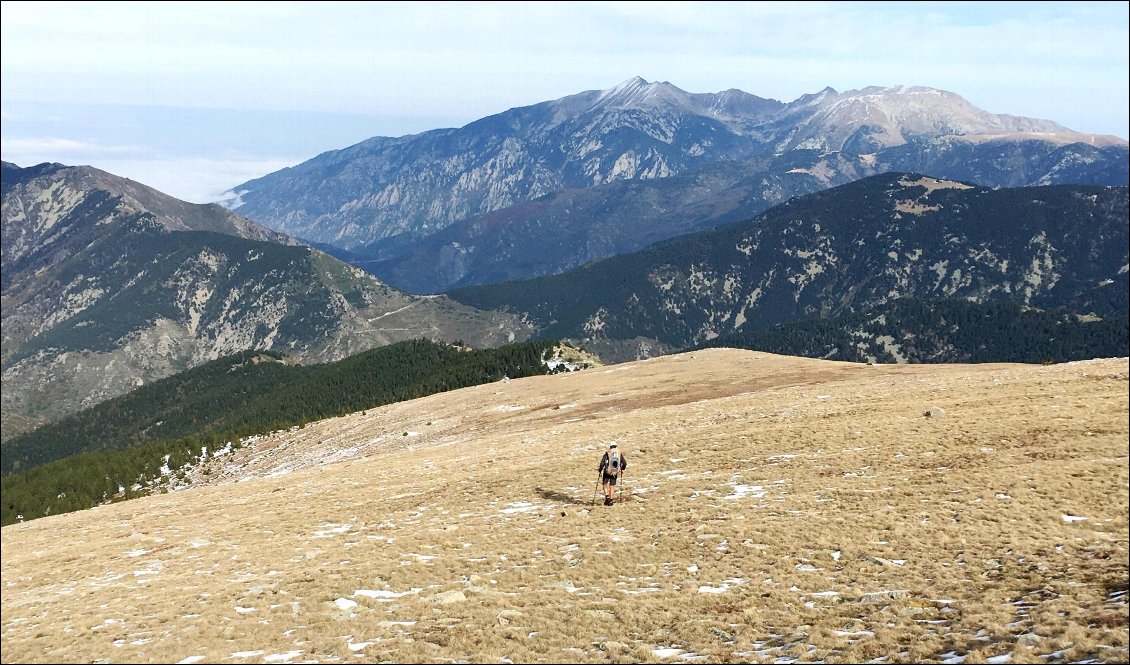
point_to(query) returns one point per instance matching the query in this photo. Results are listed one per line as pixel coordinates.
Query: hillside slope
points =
(838, 251)
(773, 508)
(255, 392)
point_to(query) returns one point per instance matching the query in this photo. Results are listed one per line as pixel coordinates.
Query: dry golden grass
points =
(774, 508)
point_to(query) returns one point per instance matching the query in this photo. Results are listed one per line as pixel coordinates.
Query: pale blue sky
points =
(195, 98)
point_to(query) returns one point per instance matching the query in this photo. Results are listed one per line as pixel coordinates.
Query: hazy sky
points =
(196, 98)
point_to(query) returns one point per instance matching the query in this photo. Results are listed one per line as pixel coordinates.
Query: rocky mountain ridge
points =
(109, 284)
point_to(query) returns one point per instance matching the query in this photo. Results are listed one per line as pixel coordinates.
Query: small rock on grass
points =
(448, 597)
(722, 635)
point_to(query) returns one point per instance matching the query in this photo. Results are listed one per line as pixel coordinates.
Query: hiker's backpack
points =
(614, 463)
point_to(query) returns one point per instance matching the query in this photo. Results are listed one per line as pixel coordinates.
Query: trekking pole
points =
(594, 491)
(620, 492)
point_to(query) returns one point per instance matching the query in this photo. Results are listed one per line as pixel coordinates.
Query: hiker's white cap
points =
(612, 445)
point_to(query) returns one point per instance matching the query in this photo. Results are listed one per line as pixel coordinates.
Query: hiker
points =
(612, 465)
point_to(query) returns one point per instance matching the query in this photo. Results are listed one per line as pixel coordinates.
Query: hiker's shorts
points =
(609, 480)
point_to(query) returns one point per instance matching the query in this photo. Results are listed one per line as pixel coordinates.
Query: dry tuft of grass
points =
(774, 508)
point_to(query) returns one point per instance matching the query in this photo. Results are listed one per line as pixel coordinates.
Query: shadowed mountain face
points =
(841, 250)
(386, 193)
(108, 284)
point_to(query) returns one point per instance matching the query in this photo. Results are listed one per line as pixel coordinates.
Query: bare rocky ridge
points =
(773, 508)
(108, 284)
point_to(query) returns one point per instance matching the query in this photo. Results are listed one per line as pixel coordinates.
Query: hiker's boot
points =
(607, 501)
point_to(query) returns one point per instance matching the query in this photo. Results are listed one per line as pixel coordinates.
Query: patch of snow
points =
(247, 654)
(666, 652)
(344, 603)
(190, 660)
(383, 595)
(519, 507)
(331, 529)
(135, 553)
(282, 657)
(357, 646)
(756, 491)
(1072, 518)
(999, 660)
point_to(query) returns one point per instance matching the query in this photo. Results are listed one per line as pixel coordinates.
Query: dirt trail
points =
(774, 508)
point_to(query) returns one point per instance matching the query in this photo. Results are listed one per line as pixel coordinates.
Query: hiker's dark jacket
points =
(604, 464)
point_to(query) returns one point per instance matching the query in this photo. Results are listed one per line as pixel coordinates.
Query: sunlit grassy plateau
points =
(774, 509)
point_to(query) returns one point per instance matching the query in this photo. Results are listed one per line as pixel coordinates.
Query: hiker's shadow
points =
(554, 495)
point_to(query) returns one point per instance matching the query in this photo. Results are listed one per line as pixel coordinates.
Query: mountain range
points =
(391, 200)
(108, 284)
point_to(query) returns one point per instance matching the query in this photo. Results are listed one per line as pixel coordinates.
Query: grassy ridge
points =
(84, 460)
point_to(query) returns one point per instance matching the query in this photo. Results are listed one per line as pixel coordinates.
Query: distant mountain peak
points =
(636, 92)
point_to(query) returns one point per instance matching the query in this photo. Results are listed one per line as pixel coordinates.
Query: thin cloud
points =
(197, 179)
(23, 147)
(193, 179)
